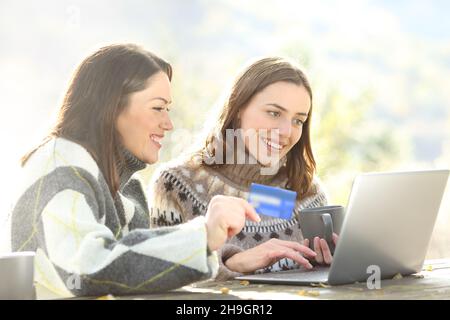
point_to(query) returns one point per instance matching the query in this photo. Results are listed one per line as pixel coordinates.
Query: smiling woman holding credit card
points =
(262, 135)
(81, 210)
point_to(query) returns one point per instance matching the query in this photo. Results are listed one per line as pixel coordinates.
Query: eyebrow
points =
(162, 99)
(276, 105)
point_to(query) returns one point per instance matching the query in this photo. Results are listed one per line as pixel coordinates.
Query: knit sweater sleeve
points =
(166, 206)
(168, 209)
(60, 216)
(226, 252)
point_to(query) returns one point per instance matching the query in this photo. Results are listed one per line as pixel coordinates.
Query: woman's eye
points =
(159, 109)
(274, 114)
(298, 122)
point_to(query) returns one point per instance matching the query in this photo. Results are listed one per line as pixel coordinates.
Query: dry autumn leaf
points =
(397, 276)
(224, 290)
(309, 293)
(107, 297)
(314, 293)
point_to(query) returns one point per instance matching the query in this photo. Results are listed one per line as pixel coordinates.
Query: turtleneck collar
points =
(246, 174)
(130, 165)
(243, 175)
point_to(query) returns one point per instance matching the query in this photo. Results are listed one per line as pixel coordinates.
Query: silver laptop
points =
(387, 225)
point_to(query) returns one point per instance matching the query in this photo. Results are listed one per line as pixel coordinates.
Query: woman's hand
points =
(267, 254)
(323, 252)
(225, 218)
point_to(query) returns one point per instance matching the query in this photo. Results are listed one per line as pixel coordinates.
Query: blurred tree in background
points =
(348, 142)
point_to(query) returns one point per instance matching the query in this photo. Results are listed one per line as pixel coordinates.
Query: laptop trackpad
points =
(296, 277)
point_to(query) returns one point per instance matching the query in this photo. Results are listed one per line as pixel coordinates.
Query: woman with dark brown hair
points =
(262, 135)
(80, 210)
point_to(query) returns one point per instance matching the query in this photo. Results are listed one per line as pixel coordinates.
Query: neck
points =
(129, 166)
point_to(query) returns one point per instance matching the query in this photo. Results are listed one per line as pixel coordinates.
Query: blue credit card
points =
(272, 201)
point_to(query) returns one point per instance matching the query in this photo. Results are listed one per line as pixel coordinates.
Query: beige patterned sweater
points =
(182, 190)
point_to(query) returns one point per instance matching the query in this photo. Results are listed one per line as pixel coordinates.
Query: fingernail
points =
(310, 266)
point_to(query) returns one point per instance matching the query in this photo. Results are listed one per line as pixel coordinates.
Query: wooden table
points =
(432, 283)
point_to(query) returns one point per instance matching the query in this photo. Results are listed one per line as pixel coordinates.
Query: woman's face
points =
(145, 119)
(276, 114)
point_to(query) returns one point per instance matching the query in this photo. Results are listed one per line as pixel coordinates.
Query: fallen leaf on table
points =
(310, 293)
(301, 292)
(397, 276)
(244, 283)
(107, 297)
(429, 268)
(224, 290)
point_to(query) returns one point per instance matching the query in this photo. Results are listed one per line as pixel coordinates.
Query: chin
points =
(271, 163)
(151, 161)
(148, 159)
(269, 160)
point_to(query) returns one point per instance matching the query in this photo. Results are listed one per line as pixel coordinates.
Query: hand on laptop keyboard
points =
(268, 253)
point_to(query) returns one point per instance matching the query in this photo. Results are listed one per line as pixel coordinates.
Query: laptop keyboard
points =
(318, 274)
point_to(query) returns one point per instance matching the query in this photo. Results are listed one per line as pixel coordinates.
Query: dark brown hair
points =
(97, 94)
(300, 163)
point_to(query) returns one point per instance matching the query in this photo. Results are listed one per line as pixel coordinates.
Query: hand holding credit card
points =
(272, 201)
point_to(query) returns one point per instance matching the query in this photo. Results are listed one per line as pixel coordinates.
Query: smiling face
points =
(274, 119)
(145, 119)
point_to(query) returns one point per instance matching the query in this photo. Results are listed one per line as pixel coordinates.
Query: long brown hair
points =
(300, 163)
(97, 94)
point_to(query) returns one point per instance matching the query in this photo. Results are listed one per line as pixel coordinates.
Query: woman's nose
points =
(167, 124)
